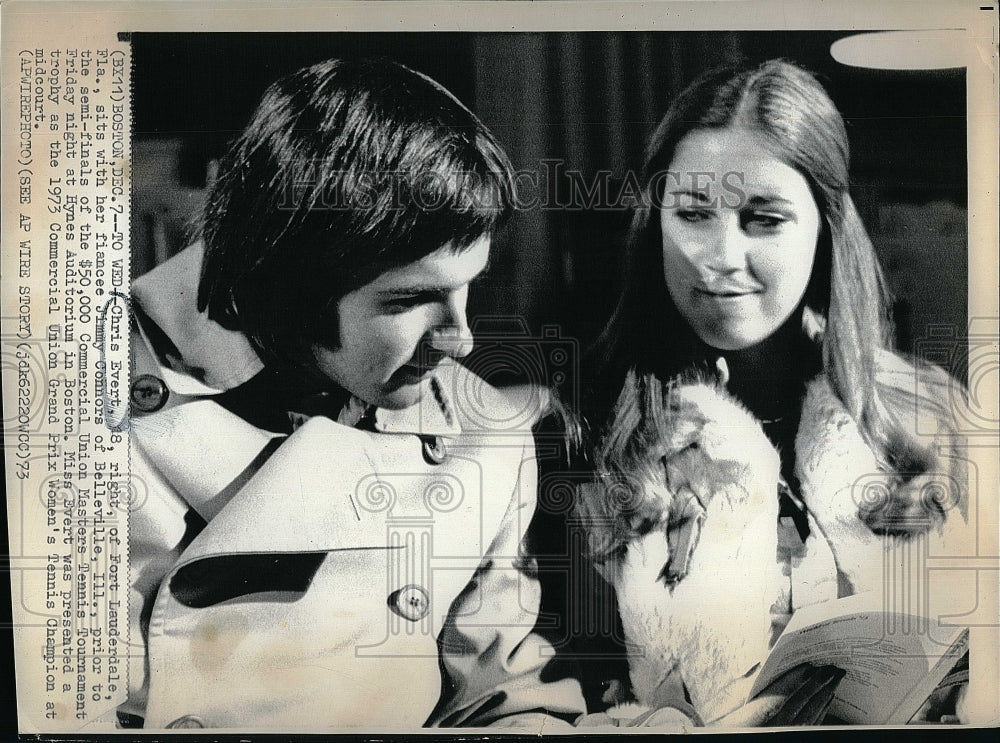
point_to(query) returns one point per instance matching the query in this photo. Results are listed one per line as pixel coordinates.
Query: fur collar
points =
(868, 513)
(711, 627)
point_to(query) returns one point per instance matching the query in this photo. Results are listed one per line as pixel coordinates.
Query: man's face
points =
(397, 328)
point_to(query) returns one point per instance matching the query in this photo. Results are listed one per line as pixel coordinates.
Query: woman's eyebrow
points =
(699, 195)
(768, 199)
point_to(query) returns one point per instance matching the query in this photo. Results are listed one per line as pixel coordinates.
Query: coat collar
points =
(197, 357)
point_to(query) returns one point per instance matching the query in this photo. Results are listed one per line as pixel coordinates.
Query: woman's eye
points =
(693, 215)
(765, 220)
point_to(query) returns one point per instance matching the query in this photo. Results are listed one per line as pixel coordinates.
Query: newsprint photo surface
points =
(501, 367)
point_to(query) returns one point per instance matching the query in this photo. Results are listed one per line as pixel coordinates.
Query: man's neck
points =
(267, 399)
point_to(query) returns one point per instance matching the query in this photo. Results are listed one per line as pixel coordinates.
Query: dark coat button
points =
(410, 602)
(434, 449)
(148, 393)
(187, 722)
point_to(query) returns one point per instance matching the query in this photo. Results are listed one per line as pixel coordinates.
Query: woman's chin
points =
(735, 337)
(730, 343)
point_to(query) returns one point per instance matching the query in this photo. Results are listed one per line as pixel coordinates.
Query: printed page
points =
(886, 655)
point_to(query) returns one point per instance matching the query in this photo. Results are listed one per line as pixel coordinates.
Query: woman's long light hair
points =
(648, 343)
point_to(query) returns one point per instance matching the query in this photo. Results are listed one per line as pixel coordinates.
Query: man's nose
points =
(728, 249)
(453, 337)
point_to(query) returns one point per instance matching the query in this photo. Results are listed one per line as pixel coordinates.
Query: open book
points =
(893, 659)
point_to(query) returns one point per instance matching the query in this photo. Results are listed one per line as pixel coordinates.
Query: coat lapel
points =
(330, 487)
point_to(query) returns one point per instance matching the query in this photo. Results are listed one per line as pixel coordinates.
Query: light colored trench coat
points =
(344, 577)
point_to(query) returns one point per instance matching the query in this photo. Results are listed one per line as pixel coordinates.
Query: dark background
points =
(590, 99)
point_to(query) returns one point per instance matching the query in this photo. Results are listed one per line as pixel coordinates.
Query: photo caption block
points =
(65, 358)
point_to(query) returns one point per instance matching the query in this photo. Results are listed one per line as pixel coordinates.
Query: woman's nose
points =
(728, 249)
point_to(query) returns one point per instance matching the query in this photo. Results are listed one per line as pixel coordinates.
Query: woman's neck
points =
(769, 378)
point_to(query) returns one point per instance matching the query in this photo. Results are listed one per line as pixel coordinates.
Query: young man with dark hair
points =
(321, 535)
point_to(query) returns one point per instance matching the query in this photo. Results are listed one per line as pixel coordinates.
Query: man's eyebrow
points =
(413, 289)
(431, 288)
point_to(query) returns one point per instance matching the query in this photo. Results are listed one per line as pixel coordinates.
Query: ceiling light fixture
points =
(931, 49)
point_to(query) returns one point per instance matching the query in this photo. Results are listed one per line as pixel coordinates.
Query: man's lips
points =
(417, 372)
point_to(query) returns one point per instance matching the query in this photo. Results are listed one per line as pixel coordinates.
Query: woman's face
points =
(739, 230)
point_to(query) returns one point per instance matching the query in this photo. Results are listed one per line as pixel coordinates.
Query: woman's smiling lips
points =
(724, 295)
(726, 291)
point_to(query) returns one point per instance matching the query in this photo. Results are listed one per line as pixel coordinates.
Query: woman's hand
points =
(947, 704)
(799, 697)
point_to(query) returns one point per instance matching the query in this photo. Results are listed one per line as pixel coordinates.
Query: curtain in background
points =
(564, 103)
(588, 102)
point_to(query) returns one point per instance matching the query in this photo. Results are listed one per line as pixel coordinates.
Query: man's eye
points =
(396, 303)
(403, 303)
